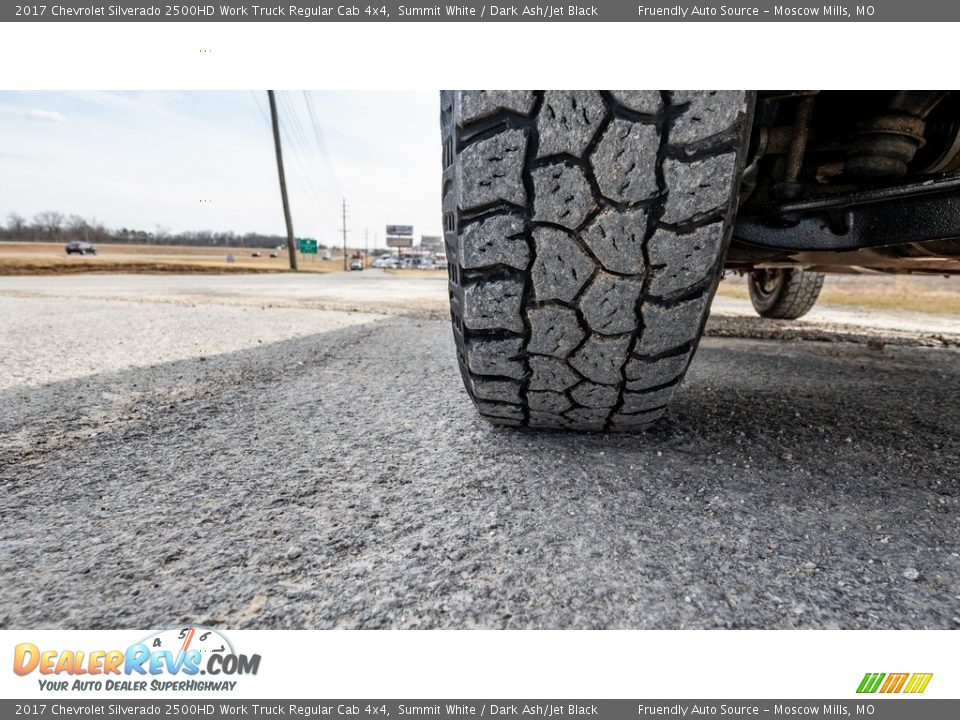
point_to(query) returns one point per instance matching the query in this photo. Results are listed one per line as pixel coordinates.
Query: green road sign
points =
(308, 247)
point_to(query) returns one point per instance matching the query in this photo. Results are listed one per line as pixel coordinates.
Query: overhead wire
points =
(298, 139)
(307, 180)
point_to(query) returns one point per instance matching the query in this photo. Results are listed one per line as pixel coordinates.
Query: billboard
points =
(402, 230)
(399, 242)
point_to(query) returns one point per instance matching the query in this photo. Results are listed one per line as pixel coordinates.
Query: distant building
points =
(431, 243)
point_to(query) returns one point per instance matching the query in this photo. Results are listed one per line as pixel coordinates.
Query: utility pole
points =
(344, 228)
(366, 245)
(291, 248)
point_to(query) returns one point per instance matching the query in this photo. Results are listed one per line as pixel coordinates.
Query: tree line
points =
(50, 226)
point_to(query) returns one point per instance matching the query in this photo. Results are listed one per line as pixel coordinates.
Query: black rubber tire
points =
(784, 293)
(585, 235)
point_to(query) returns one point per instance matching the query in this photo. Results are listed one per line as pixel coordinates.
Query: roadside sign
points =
(308, 247)
(399, 242)
(403, 230)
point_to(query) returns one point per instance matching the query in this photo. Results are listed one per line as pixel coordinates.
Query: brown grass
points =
(18, 258)
(902, 292)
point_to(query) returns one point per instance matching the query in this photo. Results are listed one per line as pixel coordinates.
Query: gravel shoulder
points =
(341, 479)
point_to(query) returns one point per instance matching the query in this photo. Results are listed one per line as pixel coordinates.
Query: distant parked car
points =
(385, 261)
(356, 264)
(255, 253)
(81, 248)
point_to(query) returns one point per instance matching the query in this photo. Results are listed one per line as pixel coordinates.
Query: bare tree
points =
(162, 235)
(78, 228)
(49, 222)
(16, 224)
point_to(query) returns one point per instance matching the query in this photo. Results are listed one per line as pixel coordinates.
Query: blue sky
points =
(147, 159)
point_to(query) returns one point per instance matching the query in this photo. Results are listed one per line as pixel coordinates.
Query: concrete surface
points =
(335, 475)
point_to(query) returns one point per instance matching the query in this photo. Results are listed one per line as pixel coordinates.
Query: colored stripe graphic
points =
(870, 682)
(894, 683)
(918, 682)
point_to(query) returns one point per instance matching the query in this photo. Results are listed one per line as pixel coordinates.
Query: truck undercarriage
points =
(851, 182)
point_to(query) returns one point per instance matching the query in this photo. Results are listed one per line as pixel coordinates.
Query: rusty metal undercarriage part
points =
(884, 145)
(913, 226)
(852, 181)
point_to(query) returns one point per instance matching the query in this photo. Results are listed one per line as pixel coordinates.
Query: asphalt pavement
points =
(312, 468)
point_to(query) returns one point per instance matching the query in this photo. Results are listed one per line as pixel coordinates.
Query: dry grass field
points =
(917, 293)
(27, 258)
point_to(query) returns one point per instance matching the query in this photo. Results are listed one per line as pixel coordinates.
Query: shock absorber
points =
(885, 144)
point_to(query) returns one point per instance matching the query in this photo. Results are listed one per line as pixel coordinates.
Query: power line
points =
(317, 147)
(256, 99)
(306, 180)
(296, 174)
(293, 131)
(321, 145)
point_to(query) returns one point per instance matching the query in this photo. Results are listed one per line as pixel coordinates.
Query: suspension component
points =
(885, 144)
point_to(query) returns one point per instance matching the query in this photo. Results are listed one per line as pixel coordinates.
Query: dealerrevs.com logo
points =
(911, 683)
(168, 660)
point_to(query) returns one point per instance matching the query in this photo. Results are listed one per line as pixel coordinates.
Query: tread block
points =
(594, 395)
(561, 195)
(616, 238)
(594, 419)
(477, 104)
(698, 187)
(685, 260)
(494, 305)
(497, 240)
(499, 410)
(561, 268)
(547, 373)
(496, 390)
(550, 421)
(708, 113)
(609, 303)
(667, 327)
(600, 358)
(643, 402)
(491, 170)
(548, 401)
(554, 330)
(624, 161)
(643, 374)
(568, 120)
(638, 421)
(496, 357)
(646, 102)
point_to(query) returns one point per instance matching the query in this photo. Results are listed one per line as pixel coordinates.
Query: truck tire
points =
(784, 293)
(585, 235)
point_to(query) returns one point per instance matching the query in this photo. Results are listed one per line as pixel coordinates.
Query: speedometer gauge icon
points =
(183, 639)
